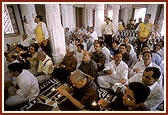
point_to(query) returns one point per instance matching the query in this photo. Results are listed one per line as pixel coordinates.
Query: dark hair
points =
(123, 45)
(156, 72)
(81, 46)
(148, 15)
(67, 28)
(117, 52)
(141, 92)
(144, 46)
(25, 48)
(117, 42)
(91, 28)
(101, 43)
(19, 46)
(147, 52)
(36, 46)
(40, 17)
(15, 67)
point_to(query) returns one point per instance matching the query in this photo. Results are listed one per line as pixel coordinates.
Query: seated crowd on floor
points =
(89, 64)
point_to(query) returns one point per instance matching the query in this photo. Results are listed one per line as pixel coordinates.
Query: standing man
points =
(144, 31)
(108, 31)
(41, 32)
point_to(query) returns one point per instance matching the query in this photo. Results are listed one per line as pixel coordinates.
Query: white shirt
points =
(118, 72)
(108, 28)
(84, 46)
(28, 85)
(79, 57)
(92, 49)
(142, 67)
(106, 51)
(26, 42)
(93, 36)
(156, 95)
(48, 67)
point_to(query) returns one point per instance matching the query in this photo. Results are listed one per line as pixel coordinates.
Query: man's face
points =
(146, 18)
(97, 47)
(145, 49)
(86, 57)
(114, 45)
(122, 49)
(75, 83)
(147, 58)
(118, 57)
(147, 78)
(128, 98)
(36, 20)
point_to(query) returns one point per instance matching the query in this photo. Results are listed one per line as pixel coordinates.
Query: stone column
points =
(115, 16)
(152, 9)
(99, 19)
(28, 10)
(89, 15)
(127, 12)
(71, 17)
(56, 32)
(64, 12)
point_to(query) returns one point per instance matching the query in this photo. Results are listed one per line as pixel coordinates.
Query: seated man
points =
(115, 71)
(28, 88)
(150, 78)
(45, 67)
(68, 65)
(140, 66)
(84, 93)
(132, 100)
(98, 56)
(88, 66)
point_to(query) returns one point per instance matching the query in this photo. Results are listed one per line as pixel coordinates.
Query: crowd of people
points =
(89, 63)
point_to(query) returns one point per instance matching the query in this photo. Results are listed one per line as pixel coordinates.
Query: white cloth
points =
(156, 96)
(106, 51)
(79, 57)
(26, 42)
(28, 89)
(84, 46)
(142, 67)
(108, 28)
(92, 49)
(46, 67)
(118, 72)
(93, 37)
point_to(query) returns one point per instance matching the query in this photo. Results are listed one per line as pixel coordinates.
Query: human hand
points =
(103, 102)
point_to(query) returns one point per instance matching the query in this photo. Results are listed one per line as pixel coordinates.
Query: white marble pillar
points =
(89, 15)
(115, 8)
(65, 18)
(71, 17)
(99, 19)
(152, 9)
(127, 12)
(56, 32)
(28, 10)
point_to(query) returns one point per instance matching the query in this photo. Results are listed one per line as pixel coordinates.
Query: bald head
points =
(41, 55)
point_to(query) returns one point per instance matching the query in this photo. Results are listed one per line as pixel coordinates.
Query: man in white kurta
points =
(150, 78)
(116, 72)
(28, 87)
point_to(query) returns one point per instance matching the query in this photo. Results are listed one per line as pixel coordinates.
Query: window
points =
(139, 13)
(10, 26)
